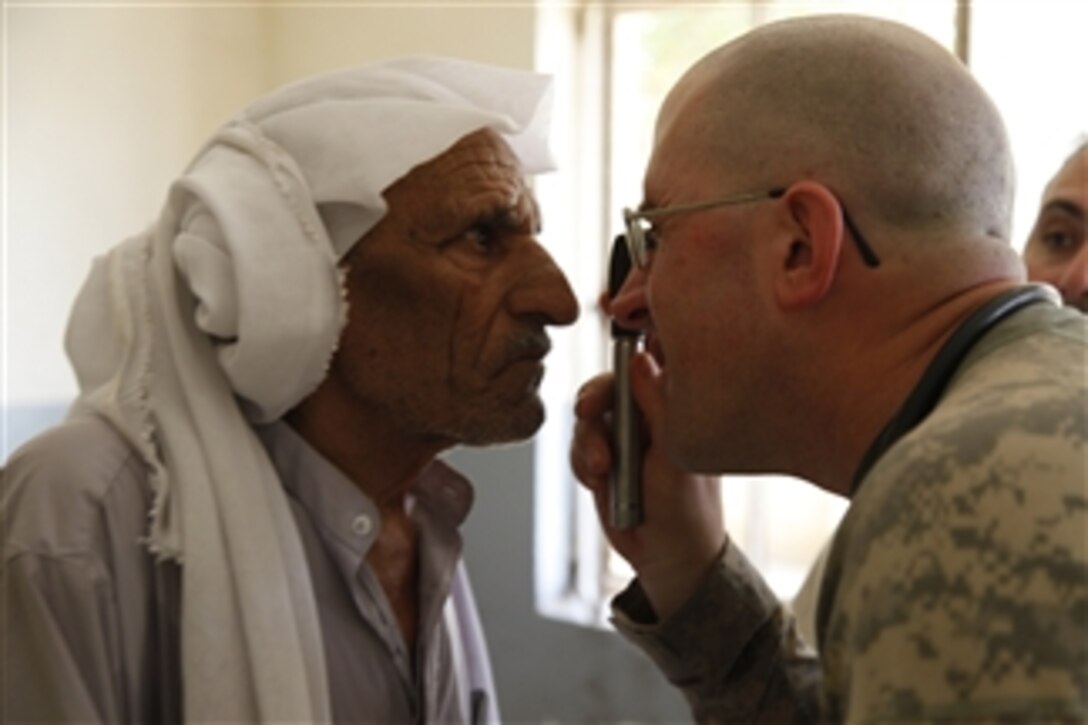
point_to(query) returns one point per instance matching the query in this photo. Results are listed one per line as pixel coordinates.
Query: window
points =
(613, 63)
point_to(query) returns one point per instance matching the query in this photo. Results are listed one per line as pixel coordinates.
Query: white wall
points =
(306, 40)
(103, 108)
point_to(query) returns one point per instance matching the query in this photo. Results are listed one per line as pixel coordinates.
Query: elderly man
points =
(1057, 250)
(243, 518)
(828, 291)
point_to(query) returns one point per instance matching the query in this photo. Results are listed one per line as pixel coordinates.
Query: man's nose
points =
(629, 308)
(543, 290)
(1073, 282)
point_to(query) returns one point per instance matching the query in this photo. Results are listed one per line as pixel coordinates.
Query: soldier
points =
(892, 354)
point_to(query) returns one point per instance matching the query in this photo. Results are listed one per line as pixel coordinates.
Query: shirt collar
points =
(346, 518)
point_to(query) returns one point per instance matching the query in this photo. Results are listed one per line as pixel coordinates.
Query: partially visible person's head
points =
(845, 114)
(1057, 250)
(448, 299)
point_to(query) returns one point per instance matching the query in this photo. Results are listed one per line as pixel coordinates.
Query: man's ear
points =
(809, 261)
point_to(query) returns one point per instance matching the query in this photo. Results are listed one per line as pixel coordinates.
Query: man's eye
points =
(482, 239)
(1058, 239)
(653, 239)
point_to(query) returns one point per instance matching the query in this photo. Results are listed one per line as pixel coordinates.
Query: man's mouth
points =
(534, 347)
(530, 346)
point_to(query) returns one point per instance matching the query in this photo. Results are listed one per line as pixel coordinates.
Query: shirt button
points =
(362, 525)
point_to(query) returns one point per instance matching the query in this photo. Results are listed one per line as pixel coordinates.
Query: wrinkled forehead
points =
(483, 154)
(478, 174)
(477, 181)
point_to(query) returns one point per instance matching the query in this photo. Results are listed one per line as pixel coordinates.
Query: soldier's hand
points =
(682, 533)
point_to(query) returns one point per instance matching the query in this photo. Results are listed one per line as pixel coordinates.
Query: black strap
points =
(931, 386)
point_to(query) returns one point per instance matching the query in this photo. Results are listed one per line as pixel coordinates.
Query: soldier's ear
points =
(808, 246)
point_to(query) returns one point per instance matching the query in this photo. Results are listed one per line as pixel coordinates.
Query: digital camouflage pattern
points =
(956, 587)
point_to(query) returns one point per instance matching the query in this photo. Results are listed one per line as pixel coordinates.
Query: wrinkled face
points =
(1057, 250)
(449, 297)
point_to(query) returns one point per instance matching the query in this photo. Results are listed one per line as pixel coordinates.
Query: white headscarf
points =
(227, 311)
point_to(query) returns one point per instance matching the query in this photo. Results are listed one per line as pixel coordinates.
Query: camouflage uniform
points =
(957, 583)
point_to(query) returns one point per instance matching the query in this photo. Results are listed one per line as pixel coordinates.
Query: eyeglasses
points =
(641, 240)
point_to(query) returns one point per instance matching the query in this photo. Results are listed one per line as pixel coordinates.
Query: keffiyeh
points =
(226, 312)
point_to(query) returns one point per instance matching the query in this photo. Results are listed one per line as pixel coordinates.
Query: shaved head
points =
(878, 112)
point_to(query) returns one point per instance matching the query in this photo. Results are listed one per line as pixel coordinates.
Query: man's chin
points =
(510, 426)
(692, 455)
